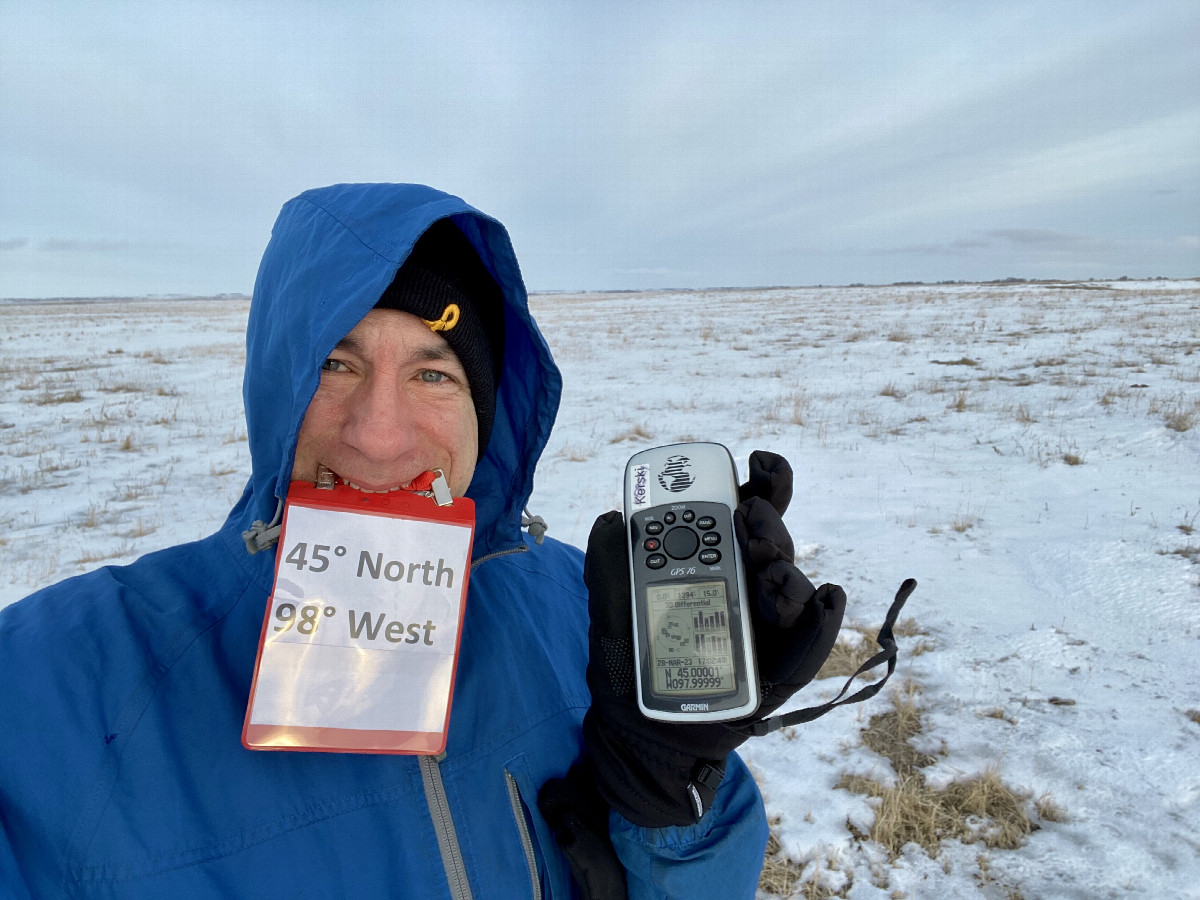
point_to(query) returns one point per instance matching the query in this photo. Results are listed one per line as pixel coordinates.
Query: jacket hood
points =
(333, 252)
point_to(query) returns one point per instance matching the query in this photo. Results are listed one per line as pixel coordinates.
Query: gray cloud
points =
(1034, 236)
(669, 146)
(67, 245)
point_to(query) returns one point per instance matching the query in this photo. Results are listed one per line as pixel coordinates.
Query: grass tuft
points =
(981, 809)
(848, 653)
(637, 432)
(791, 409)
(1048, 810)
(963, 523)
(1180, 419)
(780, 876)
(51, 398)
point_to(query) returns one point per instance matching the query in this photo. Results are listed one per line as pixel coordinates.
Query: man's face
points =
(393, 402)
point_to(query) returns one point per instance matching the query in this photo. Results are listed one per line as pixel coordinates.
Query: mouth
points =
(326, 477)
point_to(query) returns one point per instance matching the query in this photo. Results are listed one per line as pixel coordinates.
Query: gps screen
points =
(691, 646)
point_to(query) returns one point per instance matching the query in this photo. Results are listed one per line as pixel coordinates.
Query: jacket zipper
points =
(443, 827)
(439, 806)
(518, 811)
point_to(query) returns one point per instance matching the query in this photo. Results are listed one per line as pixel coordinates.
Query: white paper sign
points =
(362, 627)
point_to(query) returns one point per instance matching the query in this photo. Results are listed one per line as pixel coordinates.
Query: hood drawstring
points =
(262, 535)
(536, 524)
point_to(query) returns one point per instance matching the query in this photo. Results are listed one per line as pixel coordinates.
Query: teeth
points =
(357, 487)
(369, 491)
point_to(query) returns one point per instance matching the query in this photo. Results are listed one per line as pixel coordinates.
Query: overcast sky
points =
(146, 148)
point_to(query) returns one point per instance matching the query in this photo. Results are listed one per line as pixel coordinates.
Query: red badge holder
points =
(361, 634)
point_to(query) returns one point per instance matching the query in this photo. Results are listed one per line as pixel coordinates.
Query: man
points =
(389, 336)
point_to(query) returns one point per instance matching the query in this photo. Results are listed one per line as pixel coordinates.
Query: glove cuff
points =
(650, 784)
(702, 788)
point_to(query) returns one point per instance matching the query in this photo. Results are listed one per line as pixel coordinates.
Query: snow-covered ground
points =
(1029, 453)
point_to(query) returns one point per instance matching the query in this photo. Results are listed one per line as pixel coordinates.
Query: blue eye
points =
(331, 365)
(432, 376)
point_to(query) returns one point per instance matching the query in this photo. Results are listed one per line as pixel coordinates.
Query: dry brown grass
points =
(997, 712)
(889, 733)
(92, 519)
(51, 398)
(124, 387)
(1023, 415)
(964, 522)
(783, 877)
(1048, 809)
(791, 409)
(856, 644)
(1190, 552)
(637, 432)
(1112, 395)
(575, 454)
(981, 809)
(780, 875)
(909, 627)
(849, 652)
(94, 556)
(1181, 419)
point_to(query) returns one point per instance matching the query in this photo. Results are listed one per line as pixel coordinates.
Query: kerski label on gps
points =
(360, 640)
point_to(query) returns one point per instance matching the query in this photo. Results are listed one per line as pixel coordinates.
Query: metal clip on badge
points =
(326, 480)
(440, 489)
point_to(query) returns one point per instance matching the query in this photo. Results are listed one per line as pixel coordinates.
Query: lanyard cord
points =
(888, 654)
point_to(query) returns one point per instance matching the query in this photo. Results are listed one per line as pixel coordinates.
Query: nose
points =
(380, 422)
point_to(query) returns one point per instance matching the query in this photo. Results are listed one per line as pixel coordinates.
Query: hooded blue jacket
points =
(122, 773)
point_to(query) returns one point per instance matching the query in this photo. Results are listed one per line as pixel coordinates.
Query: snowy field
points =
(1031, 454)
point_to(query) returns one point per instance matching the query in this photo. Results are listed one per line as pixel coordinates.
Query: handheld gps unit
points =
(692, 644)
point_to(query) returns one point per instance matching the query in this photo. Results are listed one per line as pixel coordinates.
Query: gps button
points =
(680, 543)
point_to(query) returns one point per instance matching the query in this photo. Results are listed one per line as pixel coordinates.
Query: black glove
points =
(578, 814)
(657, 773)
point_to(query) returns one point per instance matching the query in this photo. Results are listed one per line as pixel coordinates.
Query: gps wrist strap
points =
(888, 652)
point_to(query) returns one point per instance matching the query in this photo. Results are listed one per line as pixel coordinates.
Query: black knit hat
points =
(444, 282)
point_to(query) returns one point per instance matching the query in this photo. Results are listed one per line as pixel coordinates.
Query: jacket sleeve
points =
(721, 856)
